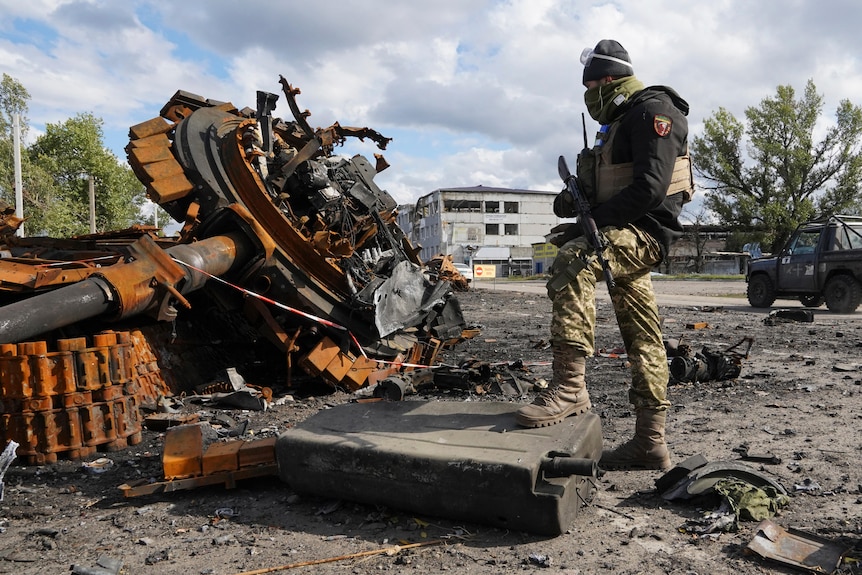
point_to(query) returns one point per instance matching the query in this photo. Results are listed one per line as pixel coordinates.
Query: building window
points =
(510, 207)
(462, 205)
(511, 229)
(492, 229)
(492, 207)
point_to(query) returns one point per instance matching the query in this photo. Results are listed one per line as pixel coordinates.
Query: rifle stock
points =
(585, 217)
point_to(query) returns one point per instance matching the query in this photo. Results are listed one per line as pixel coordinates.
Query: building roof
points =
(488, 189)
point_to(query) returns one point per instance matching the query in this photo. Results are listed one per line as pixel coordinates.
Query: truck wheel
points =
(812, 300)
(761, 292)
(843, 294)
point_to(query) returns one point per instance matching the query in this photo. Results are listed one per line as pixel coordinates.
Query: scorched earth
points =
(798, 397)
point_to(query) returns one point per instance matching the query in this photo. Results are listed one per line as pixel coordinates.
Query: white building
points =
(483, 225)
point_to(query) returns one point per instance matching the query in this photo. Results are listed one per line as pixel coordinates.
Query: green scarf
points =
(602, 101)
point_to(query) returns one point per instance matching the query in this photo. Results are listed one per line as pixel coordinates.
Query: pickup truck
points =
(821, 262)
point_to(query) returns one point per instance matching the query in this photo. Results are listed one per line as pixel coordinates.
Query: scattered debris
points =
(800, 549)
(701, 476)
(193, 456)
(164, 421)
(392, 550)
(707, 364)
(744, 493)
(104, 566)
(6, 459)
(539, 559)
(844, 367)
(807, 486)
(779, 316)
(508, 379)
(444, 267)
(746, 455)
(98, 466)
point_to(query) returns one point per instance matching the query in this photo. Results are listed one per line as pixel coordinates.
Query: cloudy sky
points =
(472, 91)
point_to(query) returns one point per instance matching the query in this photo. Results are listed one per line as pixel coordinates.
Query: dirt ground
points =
(798, 397)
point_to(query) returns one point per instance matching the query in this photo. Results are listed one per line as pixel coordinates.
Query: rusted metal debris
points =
(9, 222)
(192, 457)
(276, 227)
(799, 549)
(444, 267)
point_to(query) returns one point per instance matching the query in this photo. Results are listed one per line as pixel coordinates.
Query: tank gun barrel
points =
(152, 282)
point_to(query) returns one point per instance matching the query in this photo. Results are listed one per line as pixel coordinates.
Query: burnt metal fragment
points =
(795, 548)
(710, 365)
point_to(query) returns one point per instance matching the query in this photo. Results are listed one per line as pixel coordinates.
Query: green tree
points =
(782, 177)
(71, 152)
(13, 100)
(55, 170)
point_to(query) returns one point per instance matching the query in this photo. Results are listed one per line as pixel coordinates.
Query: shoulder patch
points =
(662, 124)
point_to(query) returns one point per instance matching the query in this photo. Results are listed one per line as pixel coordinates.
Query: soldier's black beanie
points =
(609, 58)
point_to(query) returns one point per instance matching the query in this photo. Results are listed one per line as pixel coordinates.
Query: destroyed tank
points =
(302, 240)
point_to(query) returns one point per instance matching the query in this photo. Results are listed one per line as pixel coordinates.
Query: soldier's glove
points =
(564, 205)
(565, 232)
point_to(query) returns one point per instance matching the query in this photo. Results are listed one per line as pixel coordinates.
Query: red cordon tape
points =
(314, 318)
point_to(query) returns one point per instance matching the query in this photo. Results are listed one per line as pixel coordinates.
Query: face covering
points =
(602, 101)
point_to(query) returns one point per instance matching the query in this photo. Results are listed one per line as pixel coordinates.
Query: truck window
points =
(805, 242)
(848, 238)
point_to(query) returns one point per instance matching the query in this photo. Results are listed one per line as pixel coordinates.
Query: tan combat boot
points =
(566, 395)
(646, 450)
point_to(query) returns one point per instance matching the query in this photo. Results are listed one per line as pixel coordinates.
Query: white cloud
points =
(476, 91)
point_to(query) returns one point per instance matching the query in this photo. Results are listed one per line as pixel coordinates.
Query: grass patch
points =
(699, 277)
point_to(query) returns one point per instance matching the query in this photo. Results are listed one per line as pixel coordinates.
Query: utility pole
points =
(92, 179)
(19, 187)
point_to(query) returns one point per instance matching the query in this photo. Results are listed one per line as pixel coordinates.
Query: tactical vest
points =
(600, 179)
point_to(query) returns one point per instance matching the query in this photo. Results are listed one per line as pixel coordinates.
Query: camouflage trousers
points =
(631, 254)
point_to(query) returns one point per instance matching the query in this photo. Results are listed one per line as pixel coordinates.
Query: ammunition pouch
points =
(614, 177)
(587, 170)
(564, 272)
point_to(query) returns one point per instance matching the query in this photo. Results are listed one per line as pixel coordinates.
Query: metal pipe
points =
(65, 306)
(99, 295)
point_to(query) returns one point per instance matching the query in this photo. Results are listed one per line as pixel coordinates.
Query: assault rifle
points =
(585, 217)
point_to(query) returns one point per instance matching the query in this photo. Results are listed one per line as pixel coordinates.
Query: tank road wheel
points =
(812, 300)
(843, 294)
(761, 292)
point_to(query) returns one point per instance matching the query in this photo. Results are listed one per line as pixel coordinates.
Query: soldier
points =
(637, 178)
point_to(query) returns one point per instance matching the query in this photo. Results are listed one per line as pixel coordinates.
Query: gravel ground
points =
(798, 397)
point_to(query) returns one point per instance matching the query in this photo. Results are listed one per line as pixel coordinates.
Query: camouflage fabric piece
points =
(631, 255)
